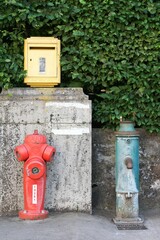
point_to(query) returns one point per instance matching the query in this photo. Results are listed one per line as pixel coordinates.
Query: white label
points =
(34, 194)
(42, 65)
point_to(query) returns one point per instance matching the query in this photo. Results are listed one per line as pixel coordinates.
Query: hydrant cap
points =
(127, 129)
(35, 138)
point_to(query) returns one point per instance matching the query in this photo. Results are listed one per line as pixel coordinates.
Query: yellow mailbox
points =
(42, 61)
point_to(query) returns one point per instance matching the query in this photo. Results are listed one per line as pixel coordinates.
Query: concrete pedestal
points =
(64, 116)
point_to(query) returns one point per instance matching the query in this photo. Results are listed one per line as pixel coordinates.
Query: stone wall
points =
(64, 116)
(103, 176)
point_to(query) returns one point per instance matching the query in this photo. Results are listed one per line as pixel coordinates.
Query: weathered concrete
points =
(103, 176)
(103, 173)
(64, 116)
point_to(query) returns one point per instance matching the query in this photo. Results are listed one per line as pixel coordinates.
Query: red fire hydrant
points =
(35, 152)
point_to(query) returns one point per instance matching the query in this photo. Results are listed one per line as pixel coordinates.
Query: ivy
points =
(111, 48)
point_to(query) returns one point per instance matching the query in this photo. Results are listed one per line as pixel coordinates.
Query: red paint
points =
(35, 152)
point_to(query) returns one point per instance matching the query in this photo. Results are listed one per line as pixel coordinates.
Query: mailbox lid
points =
(42, 40)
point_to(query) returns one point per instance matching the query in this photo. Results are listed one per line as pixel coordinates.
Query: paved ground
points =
(77, 226)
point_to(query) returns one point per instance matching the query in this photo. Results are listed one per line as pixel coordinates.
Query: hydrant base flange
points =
(33, 215)
(137, 220)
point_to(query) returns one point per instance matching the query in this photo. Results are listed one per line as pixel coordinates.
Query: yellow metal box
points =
(42, 61)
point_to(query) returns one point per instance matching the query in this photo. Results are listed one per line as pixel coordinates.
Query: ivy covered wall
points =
(111, 48)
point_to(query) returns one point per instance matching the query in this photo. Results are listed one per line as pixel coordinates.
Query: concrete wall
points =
(103, 176)
(64, 116)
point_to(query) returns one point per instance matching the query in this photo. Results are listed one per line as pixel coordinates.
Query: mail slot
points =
(42, 61)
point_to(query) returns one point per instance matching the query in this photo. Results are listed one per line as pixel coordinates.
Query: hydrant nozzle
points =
(129, 162)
